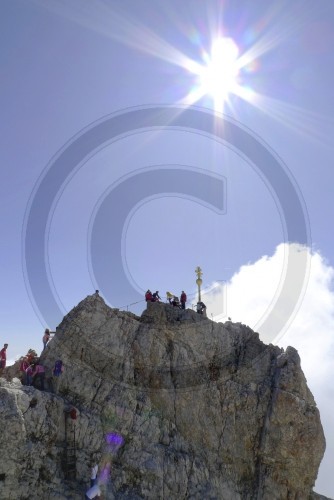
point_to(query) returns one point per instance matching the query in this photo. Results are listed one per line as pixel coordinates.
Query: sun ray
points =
(111, 21)
(107, 21)
(296, 118)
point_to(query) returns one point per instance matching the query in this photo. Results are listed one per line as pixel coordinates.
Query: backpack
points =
(58, 368)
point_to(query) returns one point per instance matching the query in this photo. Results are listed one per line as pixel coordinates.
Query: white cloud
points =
(247, 298)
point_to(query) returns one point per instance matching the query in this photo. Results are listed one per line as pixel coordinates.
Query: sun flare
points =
(220, 75)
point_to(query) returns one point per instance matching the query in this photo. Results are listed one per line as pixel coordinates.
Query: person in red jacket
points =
(183, 299)
(3, 358)
(148, 296)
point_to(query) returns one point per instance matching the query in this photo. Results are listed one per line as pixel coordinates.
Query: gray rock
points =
(206, 411)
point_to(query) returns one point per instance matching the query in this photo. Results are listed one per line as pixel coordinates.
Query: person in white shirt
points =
(93, 492)
(93, 475)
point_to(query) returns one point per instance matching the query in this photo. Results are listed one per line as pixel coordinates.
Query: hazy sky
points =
(113, 175)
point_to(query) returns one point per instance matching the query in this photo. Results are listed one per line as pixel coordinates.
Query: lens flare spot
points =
(114, 441)
(105, 474)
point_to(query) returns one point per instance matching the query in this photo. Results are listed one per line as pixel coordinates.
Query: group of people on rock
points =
(152, 297)
(32, 371)
(29, 359)
(175, 301)
(172, 299)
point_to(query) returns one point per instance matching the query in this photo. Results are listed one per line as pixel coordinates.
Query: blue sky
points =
(66, 66)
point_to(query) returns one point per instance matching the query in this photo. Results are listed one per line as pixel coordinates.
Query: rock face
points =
(171, 405)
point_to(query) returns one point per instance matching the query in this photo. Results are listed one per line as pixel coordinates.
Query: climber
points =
(28, 374)
(155, 297)
(46, 337)
(93, 473)
(3, 358)
(201, 308)
(148, 296)
(93, 492)
(169, 296)
(175, 301)
(23, 366)
(58, 368)
(183, 299)
(39, 373)
(32, 356)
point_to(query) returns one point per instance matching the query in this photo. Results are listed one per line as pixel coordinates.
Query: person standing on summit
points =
(3, 358)
(46, 338)
(183, 299)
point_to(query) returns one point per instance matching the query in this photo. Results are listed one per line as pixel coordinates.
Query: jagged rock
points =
(206, 411)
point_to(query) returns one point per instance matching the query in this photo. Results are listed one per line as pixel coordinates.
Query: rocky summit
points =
(170, 405)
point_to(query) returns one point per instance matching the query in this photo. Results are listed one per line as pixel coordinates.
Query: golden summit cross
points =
(199, 273)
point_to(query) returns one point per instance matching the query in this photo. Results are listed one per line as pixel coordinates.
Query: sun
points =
(218, 77)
